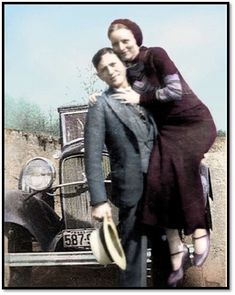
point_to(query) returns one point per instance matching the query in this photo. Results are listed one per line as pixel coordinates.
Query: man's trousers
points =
(134, 243)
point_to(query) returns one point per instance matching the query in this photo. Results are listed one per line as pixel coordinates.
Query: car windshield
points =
(72, 124)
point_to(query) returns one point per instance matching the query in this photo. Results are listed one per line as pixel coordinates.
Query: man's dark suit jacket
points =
(108, 122)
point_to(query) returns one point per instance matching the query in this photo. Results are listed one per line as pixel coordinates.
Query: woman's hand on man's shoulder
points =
(93, 98)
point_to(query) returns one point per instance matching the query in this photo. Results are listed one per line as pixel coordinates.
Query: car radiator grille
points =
(76, 198)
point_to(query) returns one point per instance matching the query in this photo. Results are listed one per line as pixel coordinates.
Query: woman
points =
(174, 198)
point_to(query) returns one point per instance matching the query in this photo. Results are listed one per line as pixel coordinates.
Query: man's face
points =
(112, 71)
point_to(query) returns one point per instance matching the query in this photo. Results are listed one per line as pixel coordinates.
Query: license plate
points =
(78, 238)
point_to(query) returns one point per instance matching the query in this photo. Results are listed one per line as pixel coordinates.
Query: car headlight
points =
(38, 173)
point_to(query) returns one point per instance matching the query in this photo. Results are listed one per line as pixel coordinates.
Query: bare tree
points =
(89, 81)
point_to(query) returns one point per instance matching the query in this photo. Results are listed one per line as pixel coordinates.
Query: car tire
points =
(17, 240)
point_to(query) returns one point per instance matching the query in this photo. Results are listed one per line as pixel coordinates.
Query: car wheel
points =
(16, 240)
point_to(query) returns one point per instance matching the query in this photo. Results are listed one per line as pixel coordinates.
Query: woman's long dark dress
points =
(174, 196)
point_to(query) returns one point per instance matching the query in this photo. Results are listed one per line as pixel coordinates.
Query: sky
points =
(49, 47)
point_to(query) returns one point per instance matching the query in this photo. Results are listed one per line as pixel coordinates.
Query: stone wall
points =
(214, 271)
(20, 147)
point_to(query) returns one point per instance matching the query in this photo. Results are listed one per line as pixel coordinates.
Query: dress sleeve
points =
(165, 69)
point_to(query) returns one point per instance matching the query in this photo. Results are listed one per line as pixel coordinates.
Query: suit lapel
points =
(121, 111)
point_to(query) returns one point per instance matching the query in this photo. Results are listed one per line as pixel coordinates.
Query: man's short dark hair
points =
(97, 57)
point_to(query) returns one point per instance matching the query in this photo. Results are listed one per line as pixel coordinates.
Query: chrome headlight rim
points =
(51, 170)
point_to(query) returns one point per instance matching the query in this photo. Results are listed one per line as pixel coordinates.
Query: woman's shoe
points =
(199, 259)
(176, 276)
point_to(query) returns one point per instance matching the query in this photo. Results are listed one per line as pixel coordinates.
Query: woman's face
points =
(124, 44)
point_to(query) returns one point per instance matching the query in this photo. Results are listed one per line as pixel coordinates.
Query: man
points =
(128, 132)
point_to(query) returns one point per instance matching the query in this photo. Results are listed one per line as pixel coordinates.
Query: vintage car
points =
(35, 234)
(33, 228)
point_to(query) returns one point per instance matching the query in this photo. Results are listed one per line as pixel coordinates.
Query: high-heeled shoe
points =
(199, 259)
(176, 276)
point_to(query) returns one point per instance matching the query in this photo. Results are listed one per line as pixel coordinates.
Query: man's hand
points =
(129, 96)
(93, 98)
(98, 212)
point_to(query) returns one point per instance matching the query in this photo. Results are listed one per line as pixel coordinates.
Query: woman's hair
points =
(97, 57)
(124, 23)
(114, 27)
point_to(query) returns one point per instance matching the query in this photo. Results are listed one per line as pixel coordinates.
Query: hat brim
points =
(97, 248)
(106, 246)
(113, 243)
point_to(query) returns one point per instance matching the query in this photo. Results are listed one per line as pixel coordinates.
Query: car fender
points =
(33, 214)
